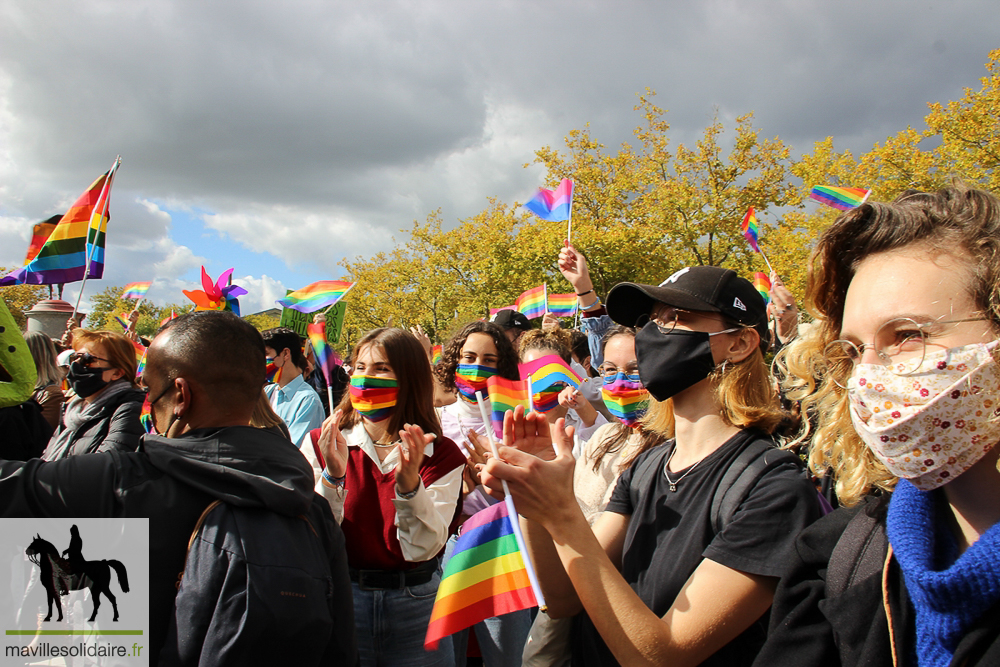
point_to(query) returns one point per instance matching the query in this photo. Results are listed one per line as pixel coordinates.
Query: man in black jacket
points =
(204, 372)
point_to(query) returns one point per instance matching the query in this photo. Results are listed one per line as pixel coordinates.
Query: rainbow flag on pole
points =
(40, 233)
(563, 305)
(531, 303)
(548, 374)
(318, 295)
(762, 283)
(325, 357)
(842, 199)
(553, 205)
(485, 577)
(751, 230)
(79, 234)
(506, 395)
(136, 290)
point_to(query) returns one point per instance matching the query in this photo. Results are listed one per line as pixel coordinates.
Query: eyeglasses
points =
(609, 372)
(86, 358)
(667, 318)
(900, 344)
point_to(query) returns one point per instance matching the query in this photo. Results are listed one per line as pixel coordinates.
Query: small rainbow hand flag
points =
(546, 373)
(122, 321)
(762, 283)
(531, 303)
(842, 199)
(485, 577)
(505, 395)
(136, 290)
(563, 305)
(553, 206)
(436, 353)
(140, 358)
(318, 295)
(751, 230)
(173, 316)
(325, 357)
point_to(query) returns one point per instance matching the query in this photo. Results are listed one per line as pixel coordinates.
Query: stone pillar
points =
(49, 317)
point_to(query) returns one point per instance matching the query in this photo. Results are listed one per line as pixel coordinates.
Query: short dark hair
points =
(217, 349)
(282, 338)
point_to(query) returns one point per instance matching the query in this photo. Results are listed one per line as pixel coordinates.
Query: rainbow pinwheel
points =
(218, 296)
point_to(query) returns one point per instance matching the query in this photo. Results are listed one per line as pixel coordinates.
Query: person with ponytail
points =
(393, 483)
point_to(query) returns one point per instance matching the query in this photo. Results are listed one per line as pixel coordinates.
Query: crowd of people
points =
(677, 505)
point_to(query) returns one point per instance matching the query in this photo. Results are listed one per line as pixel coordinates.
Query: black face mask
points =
(86, 381)
(670, 363)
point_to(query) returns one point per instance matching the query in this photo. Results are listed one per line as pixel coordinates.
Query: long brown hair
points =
(406, 357)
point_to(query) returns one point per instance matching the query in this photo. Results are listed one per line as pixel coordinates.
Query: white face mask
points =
(929, 427)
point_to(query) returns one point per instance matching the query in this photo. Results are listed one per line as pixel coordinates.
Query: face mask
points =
(470, 378)
(374, 397)
(547, 399)
(670, 363)
(86, 381)
(929, 427)
(146, 415)
(625, 399)
(272, 373)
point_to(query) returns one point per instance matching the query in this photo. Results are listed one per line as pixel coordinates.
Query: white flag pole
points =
(106, 198)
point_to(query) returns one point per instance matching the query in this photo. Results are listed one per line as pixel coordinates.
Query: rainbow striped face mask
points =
(625, 398)
(470, 378)
(374, 397)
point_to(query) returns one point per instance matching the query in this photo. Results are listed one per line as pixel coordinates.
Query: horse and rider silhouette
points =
(61, 575)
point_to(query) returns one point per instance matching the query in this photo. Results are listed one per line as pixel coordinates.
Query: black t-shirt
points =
(670, 532)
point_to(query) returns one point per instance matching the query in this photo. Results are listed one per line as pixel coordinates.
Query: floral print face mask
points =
(930, 426)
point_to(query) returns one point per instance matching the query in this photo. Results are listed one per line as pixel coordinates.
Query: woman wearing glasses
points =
(905, 387)
(104, 414)
(659, 579)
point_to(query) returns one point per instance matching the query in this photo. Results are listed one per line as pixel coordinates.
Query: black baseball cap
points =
(705, 288)
(511, 319)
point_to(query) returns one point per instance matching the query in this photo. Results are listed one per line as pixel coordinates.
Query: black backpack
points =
(256, 589)
(757, 458)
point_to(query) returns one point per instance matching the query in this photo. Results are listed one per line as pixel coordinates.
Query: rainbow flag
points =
(80, 233)
(146, 416)
(436, 353)
(485, 577)
(762, 283)
(842, 199)
(563, 305)
(547, 371)
(553, 206)
(505, 395)
(531, 303)
(140, 354)
(751, 230)
(122, 321)
(375, 402)
(172, 316)
(325, 356)
(40, 233)
(136, 290)
(318, 295)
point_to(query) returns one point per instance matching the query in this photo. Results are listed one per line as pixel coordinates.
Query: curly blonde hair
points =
(958, 220)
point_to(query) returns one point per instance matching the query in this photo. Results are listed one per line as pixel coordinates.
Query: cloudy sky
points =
(280, 137)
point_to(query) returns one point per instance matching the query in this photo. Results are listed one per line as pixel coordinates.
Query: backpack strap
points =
(194, 534)
(860, 553)
(759, 456)
(644, 474)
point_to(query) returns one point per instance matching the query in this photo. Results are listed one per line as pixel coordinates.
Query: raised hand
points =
(425, 340)
(333, 445)
(573, 266)
(413, 440)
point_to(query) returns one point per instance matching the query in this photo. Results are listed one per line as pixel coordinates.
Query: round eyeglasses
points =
(900, 344)
(610, 372)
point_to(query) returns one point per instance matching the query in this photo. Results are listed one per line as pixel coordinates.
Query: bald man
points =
(204, 372)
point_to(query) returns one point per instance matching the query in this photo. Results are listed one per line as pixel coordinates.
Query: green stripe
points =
(482, 553)
(74, 632)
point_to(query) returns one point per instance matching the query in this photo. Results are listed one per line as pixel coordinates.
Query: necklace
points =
(379, 444)
(673, 483)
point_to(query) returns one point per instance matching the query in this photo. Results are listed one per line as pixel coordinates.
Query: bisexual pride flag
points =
(553, 205)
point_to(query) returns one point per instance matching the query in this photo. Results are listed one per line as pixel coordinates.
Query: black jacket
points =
(117, 427)
(852, 628)
(171, 481)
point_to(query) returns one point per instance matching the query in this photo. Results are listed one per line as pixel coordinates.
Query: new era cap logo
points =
(673, 278)
(739, 304)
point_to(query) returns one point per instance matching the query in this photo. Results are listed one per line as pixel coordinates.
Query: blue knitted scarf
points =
(949, 591)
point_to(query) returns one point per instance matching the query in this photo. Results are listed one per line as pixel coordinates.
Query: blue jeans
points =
(392, 624)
